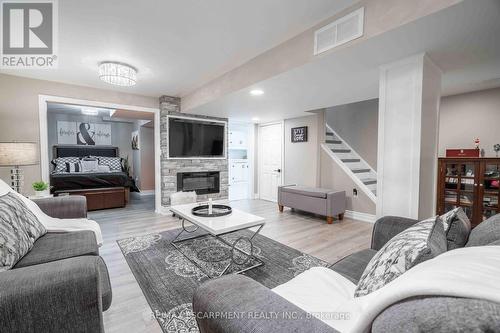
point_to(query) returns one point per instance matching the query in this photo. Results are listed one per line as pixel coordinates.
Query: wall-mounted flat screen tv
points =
(190, 138)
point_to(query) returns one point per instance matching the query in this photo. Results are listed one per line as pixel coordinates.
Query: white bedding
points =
(55, 224)
(326, 293)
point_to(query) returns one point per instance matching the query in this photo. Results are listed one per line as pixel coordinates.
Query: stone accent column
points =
(168, 105)
(410, 92)
(170, 167)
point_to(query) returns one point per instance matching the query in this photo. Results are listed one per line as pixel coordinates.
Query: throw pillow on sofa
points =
(486, 232)
(19, 229)
(457, 227)
(420, 242)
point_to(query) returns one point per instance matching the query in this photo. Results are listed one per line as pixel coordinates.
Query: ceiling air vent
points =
(341, 31)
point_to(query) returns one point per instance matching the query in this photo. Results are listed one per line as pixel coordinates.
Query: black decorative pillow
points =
(19, 229)
(60, 163)
(114, 163)
(420, 242)
(458, 229)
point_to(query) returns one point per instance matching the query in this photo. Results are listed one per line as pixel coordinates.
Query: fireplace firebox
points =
(201, 182)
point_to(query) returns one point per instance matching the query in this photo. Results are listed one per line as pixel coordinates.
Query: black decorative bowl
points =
(217, 210)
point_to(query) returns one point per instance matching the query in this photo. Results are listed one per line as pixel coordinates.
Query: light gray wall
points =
(121, 132)
(357, 124)
(333, 177)
(301, 158)
(147, 149)
(467, 116)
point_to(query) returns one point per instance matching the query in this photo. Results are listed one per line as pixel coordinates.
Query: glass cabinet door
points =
(490, 189)
(460, 186)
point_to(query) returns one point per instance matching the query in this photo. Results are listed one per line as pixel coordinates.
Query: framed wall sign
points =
(299, 134)
(71, 132)
(66, 132)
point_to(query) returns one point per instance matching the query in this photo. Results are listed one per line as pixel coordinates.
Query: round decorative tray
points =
(217, 210)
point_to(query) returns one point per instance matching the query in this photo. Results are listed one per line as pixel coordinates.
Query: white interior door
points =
(270, 160)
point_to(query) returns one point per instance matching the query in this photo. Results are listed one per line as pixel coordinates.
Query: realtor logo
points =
(29, 34)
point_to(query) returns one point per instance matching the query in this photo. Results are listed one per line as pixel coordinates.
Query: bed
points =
(102, 189)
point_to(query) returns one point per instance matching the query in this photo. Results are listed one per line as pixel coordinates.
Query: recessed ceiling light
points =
(117, 74)
(256, 92)
(255, 119)
(90, 111)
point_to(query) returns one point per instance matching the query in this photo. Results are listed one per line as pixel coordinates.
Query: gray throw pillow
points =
(448, 217)
(456, 227)
(486, 232)
(420, 242)
(19, 229)
(458, 231)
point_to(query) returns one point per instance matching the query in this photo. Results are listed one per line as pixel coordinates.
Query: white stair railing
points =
(361, 173)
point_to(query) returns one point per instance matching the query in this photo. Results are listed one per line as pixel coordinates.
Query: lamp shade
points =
(18, 153)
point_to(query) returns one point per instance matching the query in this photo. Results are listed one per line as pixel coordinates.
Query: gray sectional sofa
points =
(240, 294)
(62, 284)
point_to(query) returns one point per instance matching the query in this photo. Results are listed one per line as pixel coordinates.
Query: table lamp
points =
(16, 154)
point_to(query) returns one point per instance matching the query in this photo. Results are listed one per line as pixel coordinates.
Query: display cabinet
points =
(470, 183)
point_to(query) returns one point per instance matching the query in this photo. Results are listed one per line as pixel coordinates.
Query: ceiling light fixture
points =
(256, 92)
(117, 73)
(255, 119)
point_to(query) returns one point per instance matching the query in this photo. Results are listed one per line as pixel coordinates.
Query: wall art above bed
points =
(91, 134)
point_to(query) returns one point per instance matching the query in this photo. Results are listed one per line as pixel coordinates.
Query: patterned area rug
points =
(168, 279)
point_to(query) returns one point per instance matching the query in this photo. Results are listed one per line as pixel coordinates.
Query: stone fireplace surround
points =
(170, 167)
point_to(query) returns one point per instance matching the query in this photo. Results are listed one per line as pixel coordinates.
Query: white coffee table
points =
(218, 226)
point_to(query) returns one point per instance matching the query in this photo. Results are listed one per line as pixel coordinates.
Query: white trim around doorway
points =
(44, 149)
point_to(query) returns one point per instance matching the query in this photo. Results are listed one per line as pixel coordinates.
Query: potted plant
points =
(41, 189)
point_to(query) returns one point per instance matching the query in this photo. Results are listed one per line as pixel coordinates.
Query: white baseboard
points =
(365, 217)
(142, 194)
(146, 192)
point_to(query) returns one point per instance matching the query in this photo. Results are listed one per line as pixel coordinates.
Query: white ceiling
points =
(109, 114)
(463, 40)
(177, 45)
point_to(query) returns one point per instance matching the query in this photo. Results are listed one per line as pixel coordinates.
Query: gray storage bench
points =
(320, 201)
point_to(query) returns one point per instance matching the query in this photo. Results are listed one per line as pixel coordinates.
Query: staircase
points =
(350, 161)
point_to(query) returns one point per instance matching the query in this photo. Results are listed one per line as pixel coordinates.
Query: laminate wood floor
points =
(130, 311)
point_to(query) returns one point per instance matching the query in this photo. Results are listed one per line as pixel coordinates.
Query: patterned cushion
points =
(19, 229)
(422, 241)
(114, 163)
(60, 163)
(448, 218)
(73, 167)
(486, 232)
(458, 229)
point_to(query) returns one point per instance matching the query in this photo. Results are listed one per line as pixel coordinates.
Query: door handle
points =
(277, 170)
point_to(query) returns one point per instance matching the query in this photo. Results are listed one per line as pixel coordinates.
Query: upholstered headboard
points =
(82, 151)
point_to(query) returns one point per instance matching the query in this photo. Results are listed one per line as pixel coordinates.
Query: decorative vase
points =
(41, 194)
